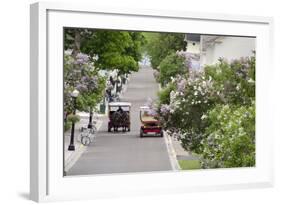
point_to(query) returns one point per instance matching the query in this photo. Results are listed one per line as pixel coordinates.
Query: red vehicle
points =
(150, 124)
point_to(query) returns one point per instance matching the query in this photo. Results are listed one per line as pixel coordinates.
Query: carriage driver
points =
(120, 110)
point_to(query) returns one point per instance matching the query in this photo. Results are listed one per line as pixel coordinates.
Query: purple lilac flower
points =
(92, 84)
(152, 112)
(84, 79)
(81, 87)
(165, 109)
(181, 85)
(81, 59)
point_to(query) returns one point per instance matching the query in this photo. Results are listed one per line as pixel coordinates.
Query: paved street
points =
(126, 152)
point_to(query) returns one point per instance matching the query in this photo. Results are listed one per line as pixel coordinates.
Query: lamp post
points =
(90, 124)
(74, 95)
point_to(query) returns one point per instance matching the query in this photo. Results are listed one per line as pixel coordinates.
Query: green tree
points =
(115, 50)
(171, 66)
(159, 45)
(110, 50)
(74, 38)
(91, 89)
(136, 50)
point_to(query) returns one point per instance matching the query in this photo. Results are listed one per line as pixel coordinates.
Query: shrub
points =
(73, 118)
(230, 137)
(181, 113)
(234, 82)
(212, 113)
(164, 94)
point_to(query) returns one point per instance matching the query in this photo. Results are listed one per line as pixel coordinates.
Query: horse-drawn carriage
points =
(150, 124)
(119, 116)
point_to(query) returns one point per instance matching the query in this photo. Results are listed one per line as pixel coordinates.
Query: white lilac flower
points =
(68, 52)
(238, 87)
(203, 117)
(173, 95)
(251, 80)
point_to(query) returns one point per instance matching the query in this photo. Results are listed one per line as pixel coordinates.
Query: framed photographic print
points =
(129, 102)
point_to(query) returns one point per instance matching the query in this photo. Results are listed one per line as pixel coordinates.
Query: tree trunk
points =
(77, 42)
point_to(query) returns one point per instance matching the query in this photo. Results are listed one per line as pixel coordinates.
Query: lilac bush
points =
(230, 138)
(191, 108)
(80, 74)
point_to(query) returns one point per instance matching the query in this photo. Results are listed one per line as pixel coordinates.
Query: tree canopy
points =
(109, 50)
(160, 45)
(171, 66)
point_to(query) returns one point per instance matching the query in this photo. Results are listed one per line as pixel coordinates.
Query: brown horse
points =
(120, 119)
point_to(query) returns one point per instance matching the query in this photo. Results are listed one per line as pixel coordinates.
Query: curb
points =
(170, 148)
(171, 152)
(78, 152)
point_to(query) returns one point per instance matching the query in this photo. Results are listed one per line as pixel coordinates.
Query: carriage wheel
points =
(141, 133)
(85, 140)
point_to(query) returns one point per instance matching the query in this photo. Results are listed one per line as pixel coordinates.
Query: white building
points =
(192, 52)
(193, 43)
(228, 47)
(204, 50)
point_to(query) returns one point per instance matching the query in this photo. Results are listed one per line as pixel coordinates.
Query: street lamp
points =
(74, 95)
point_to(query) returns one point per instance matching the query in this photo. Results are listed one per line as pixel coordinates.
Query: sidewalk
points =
(181, 154)
(70, 157)
(176, 152)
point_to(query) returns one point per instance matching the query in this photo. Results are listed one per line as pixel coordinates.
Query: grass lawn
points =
(189, 164)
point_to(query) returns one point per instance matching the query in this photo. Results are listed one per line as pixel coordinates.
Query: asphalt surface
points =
(126, 152)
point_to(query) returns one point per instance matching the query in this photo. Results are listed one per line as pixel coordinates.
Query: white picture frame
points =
(46, 57)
